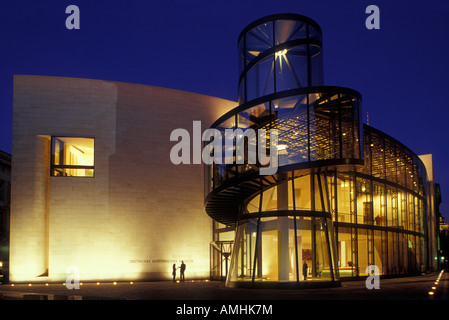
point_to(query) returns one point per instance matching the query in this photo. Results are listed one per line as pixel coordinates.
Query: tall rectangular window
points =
(72, 157)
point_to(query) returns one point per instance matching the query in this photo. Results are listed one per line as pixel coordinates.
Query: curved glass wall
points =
(343, 197)
(284, 236)
(279, 53)
(282, 249)
(374, 220)
(314, 125)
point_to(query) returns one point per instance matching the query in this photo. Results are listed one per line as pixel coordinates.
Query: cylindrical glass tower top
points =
(278, 53)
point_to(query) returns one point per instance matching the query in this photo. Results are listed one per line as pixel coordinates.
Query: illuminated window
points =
(72, 157)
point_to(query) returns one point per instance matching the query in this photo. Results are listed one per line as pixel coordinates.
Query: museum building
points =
(93, 185)
(345, 196)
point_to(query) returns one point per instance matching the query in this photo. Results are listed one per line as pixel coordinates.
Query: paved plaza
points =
(404, 288)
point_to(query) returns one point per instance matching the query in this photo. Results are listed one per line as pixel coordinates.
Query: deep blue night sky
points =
(401, 70)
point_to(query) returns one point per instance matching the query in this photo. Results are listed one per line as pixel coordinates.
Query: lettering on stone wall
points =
(156, 261)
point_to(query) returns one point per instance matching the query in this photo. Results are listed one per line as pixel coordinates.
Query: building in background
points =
(345, 196)
(5, 193)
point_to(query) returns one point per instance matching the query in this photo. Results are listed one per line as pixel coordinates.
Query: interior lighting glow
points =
(281, 53)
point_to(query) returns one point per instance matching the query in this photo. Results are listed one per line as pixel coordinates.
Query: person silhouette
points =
(183, 269)
(174, 272)
(304, 270)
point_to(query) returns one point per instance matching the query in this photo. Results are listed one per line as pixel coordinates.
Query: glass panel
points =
(379, 205)
(364, 202)
(393, 254)
(377, 156)
(281, 253)
(302, 193)
(225, 171)
(255, 117)
(317, 73)
(362, 249)
(258, 39)
(243, 253)
(72, 157)
(241, 54)
(412, 212)
(260, 79)
(402, 210)
(390, 161)
(344, 199)
(320, 268)
(66, 172)
(242, 96)
(345, 258)
(378, 255)
(291, 68)
(314, 33)
(269, 199)
(287, 30)
(292, 128)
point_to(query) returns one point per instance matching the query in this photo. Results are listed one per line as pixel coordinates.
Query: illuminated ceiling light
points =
(280, 53)
(431, 293)
(282, 148)
(114, 283)
(98, 283)
(131, 282)
(433, 288)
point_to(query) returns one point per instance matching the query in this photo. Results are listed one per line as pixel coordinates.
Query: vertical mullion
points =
(295, 226)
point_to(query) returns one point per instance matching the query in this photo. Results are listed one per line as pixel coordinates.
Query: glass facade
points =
(279, 53)
(312, 128)
(338, 220)
(72, 157)
(284, 235)
(345, 195)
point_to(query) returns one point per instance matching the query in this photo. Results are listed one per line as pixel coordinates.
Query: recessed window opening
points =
(72, 157)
